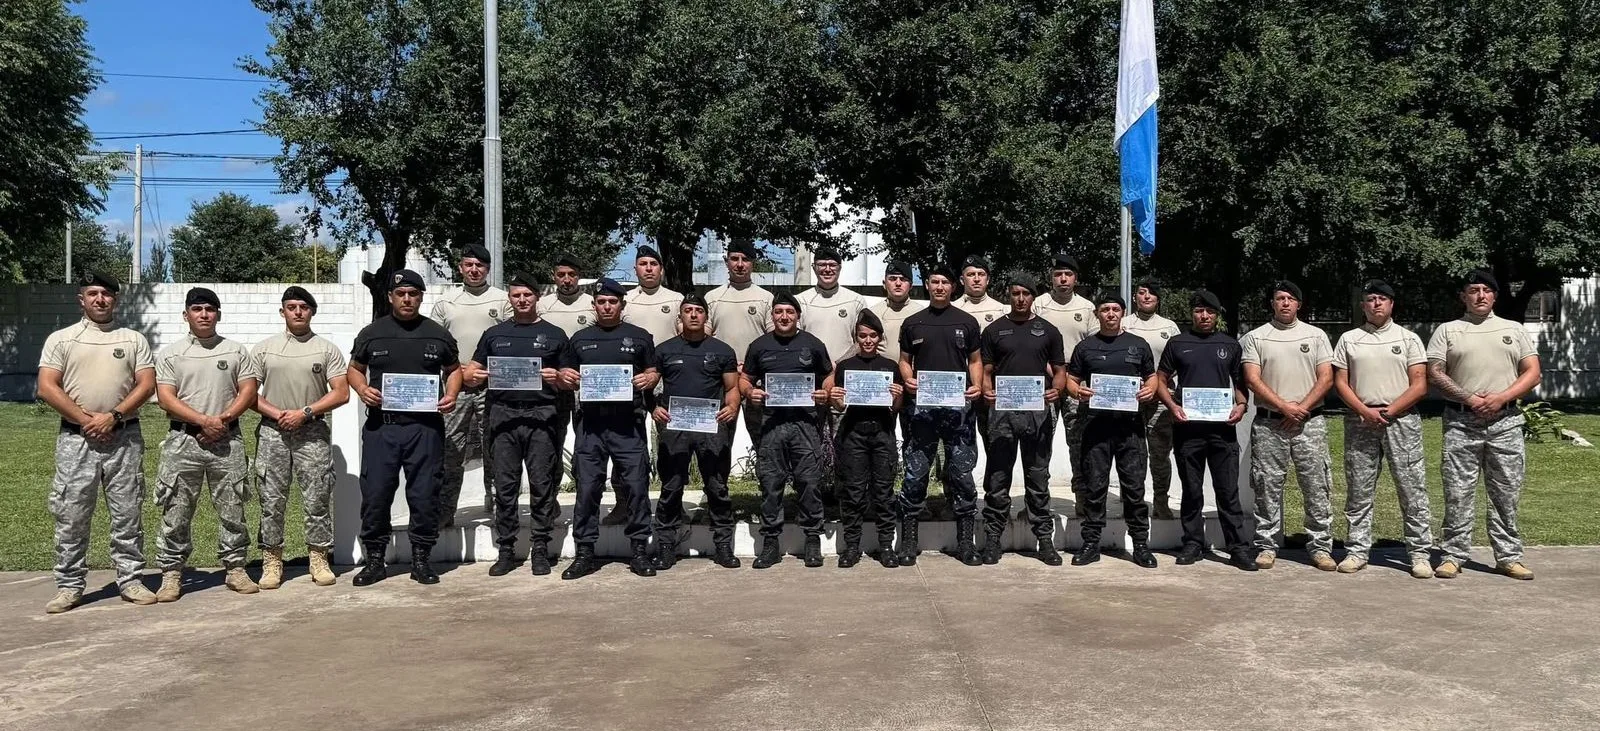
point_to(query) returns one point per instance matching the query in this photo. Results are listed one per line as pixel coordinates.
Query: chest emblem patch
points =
(1037, 332)
(118, 353)
(222, 365)
(1305, 347)
(1077, 317)
(666, 309)
(842, 312)
(989, 317)
(1222, 353)
(805, 357)
(494, 314)
(316, 367)
(1505, 339)
(1395, 350)
(583, 319)
(1163, 336)
(627, 342)
(751, 309)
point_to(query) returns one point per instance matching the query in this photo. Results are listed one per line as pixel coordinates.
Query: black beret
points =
(298, 292)
(1481, 276)
(647, 252)
(784, 298)
(1149, 283)
(1378, 286)
(943, 271)
(744, 246)
(826, 253)
(609, 286)
(1023, 280)
(100, 279)
(1063, 260)
(1284, 285)
(897, 267)
(570, 261)
(406, 278)
(201, 296)
(523, 279)
(870, 320)
(976, 261)
(476, 251)
(1110, 298)
(1205, 298)
(696, 299)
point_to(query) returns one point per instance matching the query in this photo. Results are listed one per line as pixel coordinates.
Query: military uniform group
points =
(720, 353)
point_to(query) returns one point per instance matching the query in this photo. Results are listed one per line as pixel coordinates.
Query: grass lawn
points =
(1558, 505)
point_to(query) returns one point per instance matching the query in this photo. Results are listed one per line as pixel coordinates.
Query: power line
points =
(234, 79)
(151, 135)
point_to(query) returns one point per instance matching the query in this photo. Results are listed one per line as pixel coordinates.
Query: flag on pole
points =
(1137, 91)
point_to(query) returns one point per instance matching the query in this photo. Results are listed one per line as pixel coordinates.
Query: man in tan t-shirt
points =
(571, 310)
(975, 301)
(1156, 330)
(96, 375)
(1074, 316)
(828, 311)
(1483, 363)
(739, 312)
(467, 313)
(205, 382)
(302, 381)
(651, 305)
(896, 306)
(1288, 365)
(1379, 371)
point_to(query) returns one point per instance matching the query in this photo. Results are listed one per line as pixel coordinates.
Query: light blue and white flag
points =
(1137, 91)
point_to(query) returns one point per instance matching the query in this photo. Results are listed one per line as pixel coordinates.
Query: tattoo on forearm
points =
(1450, 388)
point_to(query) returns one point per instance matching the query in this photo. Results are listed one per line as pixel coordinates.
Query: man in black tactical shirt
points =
(1206, 358)
(522, 423)
(405, 342)
(789, 439)
(940, 338)
(1113, 435)
(695, 365)
(1021, 344)
(611, 431)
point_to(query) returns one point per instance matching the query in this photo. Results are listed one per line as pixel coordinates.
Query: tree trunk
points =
(395, 247)
(1514, 306)
(677, 259)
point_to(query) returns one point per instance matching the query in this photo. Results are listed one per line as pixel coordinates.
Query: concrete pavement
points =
(937, 646)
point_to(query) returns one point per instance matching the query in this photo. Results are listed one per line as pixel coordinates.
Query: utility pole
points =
(138, 212)
(69, 252)
(491, 141)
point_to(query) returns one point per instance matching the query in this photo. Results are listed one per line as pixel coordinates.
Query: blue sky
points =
(194, 38)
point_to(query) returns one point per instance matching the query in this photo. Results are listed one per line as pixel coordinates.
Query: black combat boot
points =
(1047, 552)
(373, 569)
(966, 550)
(641, 565)
(813, 553)
(539, 558)
(1191, 554)
(991, 549)
(851, 555)
(1089, 554)
(886, 557)
(504, 564)
(582, 564)
(421, 571)
(724, 556)
(666, 553)
(770, 554)
(1143, 557)
(908, 542)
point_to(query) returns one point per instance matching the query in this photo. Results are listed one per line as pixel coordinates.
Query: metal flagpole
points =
(69, 252)
(1127, 255)
(491, 142)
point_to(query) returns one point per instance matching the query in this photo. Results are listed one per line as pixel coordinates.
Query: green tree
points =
(48, 179)
(230, 239)
(93, 249)
(157, 268)
(315, 262)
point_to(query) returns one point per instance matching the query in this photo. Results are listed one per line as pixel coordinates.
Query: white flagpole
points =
(1127, 255)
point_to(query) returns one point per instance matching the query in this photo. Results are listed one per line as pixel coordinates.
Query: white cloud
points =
(243, 166)
(104, 98)
(289, 211)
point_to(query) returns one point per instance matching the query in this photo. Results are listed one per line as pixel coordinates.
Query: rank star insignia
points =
(1305, 347)
(118, 353)
(222, 365)
(1505, 339)
(1395, 350)
(627, 342)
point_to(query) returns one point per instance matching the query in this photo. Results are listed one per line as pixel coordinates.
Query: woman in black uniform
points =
(867, 453)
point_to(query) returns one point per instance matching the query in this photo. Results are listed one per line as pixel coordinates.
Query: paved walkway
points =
(940, 646)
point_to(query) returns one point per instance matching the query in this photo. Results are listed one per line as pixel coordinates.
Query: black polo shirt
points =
(1203, 361)
(1022, 348)
(1124, 354)
(512, 339)
(694, 369)
(940, 339)
(798, 353)
(623, 343)
(883, 416)
(418, 345)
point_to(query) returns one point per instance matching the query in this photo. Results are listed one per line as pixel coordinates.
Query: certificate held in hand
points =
(1114, 393)
(692, 414)
(515, 374)
(606, 383)
(942, 389)
(790, 389)
(868, 388)
(1019, 393)
(1207, 404)
(411, 392)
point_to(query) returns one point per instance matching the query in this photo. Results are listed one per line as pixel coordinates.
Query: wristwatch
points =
(117, 417)
(308, 412)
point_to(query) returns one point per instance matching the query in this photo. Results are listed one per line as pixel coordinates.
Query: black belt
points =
(195, 429)
(1454, 406)
(72, 428)
(405, 418)
(1266, 413)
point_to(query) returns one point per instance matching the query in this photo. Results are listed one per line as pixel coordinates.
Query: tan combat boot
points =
(271, 568)
(1323, 561)
(65, 599)
(1421, 569)
(137, 594)
(321, 572)
(1352, 564)
(240, 582)
(1447, 570)
(1515, 570)
(1266, 559)
(171, 586)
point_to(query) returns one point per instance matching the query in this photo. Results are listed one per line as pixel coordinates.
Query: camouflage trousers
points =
(956, 429)
(1365, 448)
(82, 467)
(1158, 443)
(186, 467)
(1273, 448)
(1495, 448)
(306, 453)
(464, 429)
(1073, 414)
